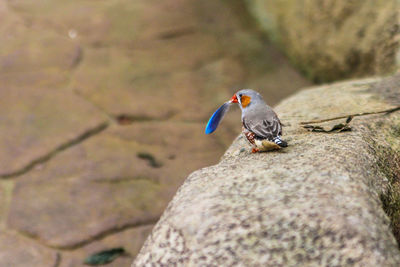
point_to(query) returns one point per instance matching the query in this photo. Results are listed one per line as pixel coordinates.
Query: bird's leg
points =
(255, 150)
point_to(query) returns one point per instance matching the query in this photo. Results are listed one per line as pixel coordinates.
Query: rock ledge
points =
(315, 203)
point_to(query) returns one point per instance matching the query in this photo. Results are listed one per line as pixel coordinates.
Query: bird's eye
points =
(240, 95)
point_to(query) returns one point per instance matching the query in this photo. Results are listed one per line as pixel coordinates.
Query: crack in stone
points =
(92, 239)
(108, 233)
(125, 119)
(85, 98)
(80, 138)
(118, 180)
(177, 33)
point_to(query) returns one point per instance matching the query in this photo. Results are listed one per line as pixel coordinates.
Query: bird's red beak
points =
(234, 99)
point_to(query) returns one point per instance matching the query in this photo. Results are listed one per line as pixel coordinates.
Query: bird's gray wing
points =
(268, 129)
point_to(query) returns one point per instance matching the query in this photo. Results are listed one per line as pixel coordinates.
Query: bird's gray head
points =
(246, 98)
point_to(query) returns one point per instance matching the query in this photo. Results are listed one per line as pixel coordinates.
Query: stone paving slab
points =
(35, 49)
(71, 212)
(131, 240)
(106, 184)
(18, 251)
(36, 121)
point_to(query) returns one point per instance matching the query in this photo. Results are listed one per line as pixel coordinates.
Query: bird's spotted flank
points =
(249, 135)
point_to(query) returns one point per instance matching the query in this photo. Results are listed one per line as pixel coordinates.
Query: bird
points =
(260, 124)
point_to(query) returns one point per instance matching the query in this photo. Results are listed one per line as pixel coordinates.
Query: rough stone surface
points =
(314, 203)
(333, 39)
(18, 251)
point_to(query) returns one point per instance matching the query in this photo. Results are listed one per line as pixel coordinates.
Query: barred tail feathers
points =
(277, 140)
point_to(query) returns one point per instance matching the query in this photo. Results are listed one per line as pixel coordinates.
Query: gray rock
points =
(315, 203)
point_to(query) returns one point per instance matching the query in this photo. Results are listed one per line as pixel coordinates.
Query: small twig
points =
(352, 115)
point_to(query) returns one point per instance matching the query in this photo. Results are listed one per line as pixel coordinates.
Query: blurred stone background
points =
(103, 106)
(329, 39)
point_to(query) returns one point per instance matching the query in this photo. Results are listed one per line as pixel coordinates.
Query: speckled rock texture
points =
(315, 203)
(333, 39)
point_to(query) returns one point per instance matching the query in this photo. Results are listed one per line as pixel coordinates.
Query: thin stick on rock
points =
(352, 115)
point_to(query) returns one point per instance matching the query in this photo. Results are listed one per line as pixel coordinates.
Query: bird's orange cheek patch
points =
(245, 100)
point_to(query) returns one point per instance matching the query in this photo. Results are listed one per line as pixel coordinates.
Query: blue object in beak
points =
(217, 117)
